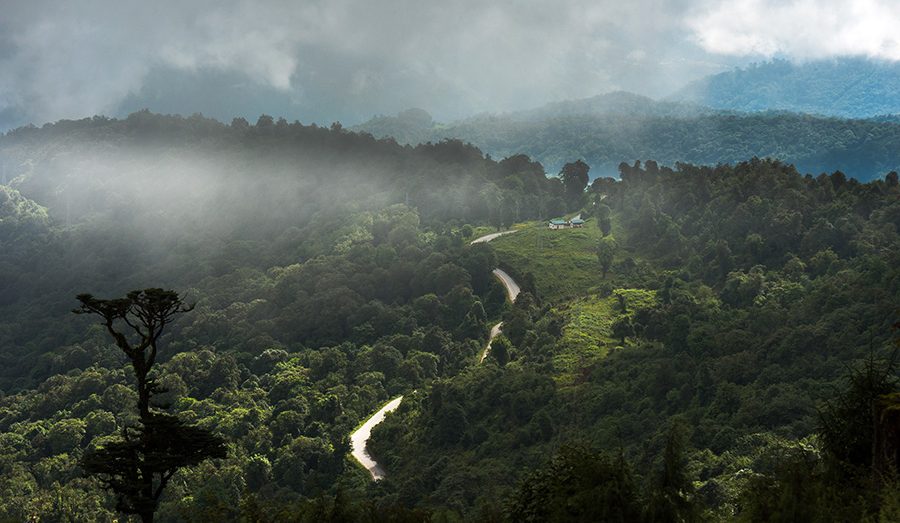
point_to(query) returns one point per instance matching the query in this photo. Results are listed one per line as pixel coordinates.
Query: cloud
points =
(325, 60)
(799, 29)
(67, 59)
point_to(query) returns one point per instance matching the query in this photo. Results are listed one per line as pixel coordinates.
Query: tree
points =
(578, 484)
(500, 349)
(606, 253)
(673, 497)
(467, 231)
(575, 178)
(892, 179)
(138, 467)
(146, 313)
(846, 424)
(603, 213)
(492, 198)
(623, 328)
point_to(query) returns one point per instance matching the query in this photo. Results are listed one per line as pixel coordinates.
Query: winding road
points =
(360, 437)
(512, 288)
(512, 292)
(488, 237)
(495, 331)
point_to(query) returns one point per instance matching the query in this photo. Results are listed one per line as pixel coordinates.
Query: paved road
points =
(359, 439)
(488, 237)
(495, 331)
(512, 288)
(512, 291)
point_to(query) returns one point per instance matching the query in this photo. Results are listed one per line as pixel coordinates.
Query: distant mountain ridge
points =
(849, 88)
(414, 126)
(620, 103)
(623, 127)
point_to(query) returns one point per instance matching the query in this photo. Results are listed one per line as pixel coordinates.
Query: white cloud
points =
(799, 29)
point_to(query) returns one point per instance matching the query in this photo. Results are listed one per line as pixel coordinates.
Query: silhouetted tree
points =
(139, 466)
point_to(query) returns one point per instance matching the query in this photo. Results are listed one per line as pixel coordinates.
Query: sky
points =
(347, 60)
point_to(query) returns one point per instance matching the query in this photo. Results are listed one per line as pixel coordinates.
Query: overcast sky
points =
(350, 59)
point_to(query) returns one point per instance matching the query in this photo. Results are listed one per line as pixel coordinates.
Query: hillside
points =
(847, 88)
(324, 273)
(704, 359)
(619, 127)
(671, 356)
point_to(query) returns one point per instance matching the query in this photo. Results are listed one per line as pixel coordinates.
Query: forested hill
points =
(329, 272)
(687, 359)
(847, 87)
(669, 358)
(609, 129)
(105, 205)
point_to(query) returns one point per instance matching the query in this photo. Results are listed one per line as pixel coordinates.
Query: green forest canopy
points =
(331, 272)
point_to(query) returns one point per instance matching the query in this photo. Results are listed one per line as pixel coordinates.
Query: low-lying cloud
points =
(799, 29)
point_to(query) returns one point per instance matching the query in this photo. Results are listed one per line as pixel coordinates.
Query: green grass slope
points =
(563, 262)
(567, 274)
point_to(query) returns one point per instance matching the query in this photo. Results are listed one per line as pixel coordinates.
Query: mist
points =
(345, 60)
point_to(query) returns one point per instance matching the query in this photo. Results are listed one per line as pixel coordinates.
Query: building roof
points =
(558, 221)
(577, 221)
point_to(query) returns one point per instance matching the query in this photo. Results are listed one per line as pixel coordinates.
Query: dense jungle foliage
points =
(616, 127)
(712, 344)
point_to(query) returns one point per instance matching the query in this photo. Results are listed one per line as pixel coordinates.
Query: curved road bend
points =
(512, 292)
(495, 331)
(512, 288)
(360, 436)
(488, 237)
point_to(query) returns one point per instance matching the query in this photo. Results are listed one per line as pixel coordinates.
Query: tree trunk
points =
(140, 373)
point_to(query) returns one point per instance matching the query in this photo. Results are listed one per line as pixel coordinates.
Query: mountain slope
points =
(852, 88)
(619, 127)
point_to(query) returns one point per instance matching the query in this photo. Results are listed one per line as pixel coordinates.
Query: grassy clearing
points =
(563, 262)
(587, 335)
(568, 275)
